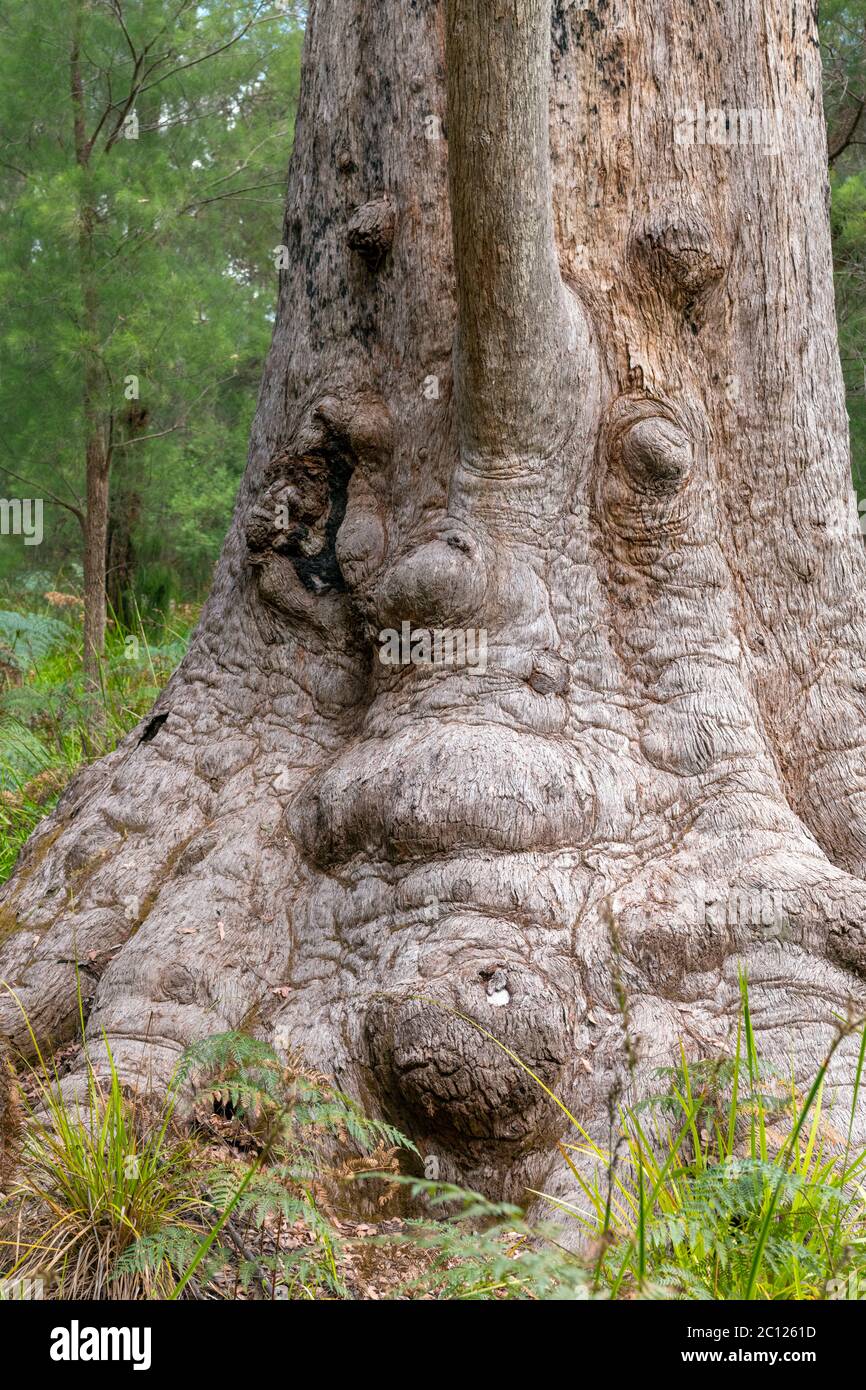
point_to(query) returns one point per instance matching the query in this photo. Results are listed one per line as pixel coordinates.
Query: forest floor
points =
(277, 1247)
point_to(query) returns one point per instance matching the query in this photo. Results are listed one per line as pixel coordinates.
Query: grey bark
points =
(608, 428)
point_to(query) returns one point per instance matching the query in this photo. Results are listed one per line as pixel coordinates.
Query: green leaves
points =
(726, 1185)
(182, 219)
(22, 755)
(27, 638)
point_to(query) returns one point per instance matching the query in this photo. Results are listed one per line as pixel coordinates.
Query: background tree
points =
(144, 156)
(555, 358)
(843, 49)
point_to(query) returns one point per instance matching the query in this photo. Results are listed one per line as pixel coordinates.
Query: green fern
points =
(169, 1251)
(22, 755)
(248, 1075)
(240, 1071)
(30, 637)
(486, 1251)
(306, 1125)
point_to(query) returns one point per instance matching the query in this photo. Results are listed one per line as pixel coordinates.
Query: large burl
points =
(539, 371)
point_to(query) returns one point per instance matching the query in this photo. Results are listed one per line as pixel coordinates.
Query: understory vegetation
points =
(246, 1179)
(46, 731)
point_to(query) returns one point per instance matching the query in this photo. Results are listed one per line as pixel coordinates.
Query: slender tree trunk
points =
(554, 360)
(124, 513)
(121, 555)
(95, 544)
(97, 455)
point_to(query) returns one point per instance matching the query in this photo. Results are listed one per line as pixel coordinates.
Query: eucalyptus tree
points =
(554, 363)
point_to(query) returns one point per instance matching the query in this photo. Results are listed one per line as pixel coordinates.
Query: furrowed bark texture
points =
(608, 429)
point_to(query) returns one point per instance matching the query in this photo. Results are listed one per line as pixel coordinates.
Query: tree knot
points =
(370, 231)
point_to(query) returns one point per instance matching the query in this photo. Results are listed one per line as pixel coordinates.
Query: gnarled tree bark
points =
(554, 358)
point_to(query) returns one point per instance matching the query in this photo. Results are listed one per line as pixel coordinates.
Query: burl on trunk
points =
(555, 366)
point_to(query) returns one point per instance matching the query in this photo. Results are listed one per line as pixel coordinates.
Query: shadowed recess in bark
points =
(152, 728)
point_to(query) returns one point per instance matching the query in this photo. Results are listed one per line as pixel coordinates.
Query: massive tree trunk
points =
(556, 361)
